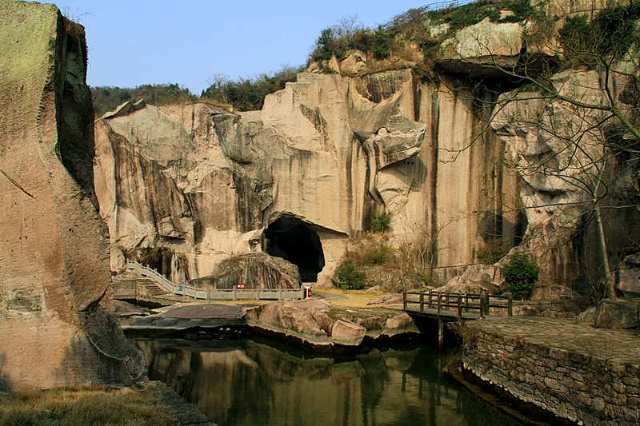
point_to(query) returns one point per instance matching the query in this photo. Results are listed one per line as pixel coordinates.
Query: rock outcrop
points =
(313, 166)
(314, 323)
(558, 149)
(56, 326)
(330, 151)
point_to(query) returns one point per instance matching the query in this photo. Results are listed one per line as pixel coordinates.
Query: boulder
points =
(614, 314)
(346, 333)
(314, 322)
(399, 323)
(476, 279)
(629, 275)
(481, 49)
(252, 270)
(307, 320)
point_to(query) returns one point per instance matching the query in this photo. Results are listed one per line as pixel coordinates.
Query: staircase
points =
(148, 286)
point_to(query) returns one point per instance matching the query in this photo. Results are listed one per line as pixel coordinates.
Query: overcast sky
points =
(188, 42)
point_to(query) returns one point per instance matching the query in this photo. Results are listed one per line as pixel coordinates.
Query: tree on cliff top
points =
(581, 93)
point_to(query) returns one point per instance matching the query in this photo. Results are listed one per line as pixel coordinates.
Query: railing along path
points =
(450, 307)
(215, 294)
(454, 306)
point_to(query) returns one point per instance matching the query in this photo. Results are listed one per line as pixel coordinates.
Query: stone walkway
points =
(617, 346)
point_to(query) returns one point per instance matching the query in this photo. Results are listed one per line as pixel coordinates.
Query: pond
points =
(249, 382)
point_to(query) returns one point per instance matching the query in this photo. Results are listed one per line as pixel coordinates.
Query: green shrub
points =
(380, 44)
(610, 34)
(381, 222)
(348, 277)
(520, 274)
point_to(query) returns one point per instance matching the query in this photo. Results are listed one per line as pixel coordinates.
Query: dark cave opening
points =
(293, 240)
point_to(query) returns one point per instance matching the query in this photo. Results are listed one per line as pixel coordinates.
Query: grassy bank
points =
(155, 404)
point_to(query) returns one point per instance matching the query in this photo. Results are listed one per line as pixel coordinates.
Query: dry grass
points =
(86, 405)
(348, 298)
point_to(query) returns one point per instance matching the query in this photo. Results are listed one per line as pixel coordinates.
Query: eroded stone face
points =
(561, 154)
(328, 150)
(55, 326)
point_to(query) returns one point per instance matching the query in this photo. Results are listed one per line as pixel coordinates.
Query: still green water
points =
(251, 383)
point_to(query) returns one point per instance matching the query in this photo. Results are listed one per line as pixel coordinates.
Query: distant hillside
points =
(108, 98)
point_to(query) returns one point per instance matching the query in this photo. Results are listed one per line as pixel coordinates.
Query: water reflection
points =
(256, 384)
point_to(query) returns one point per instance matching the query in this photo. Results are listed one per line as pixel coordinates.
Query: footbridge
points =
(452, 307)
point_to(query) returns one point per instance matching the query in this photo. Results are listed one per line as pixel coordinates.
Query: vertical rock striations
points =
(55, 326)
(325, 153)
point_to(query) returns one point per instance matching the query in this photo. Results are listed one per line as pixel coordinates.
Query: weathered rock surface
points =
(55, 323)
(629, 275)
(310, 170)
(314, 322)
(476, 279)
(252, 270)
(559, 175)
(613, 314)
(324, 154)
(482, 49)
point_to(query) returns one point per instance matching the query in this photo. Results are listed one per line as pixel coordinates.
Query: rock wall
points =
(557, 372)
(55, 326)
(334, 149)
(328, 150)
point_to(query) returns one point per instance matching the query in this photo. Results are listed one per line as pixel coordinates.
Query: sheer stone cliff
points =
(348, 141)
(55, 322)
(327, 152)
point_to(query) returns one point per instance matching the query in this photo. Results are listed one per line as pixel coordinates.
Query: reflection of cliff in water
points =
(255, 384)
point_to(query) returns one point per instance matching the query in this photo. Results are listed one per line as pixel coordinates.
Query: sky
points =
(190, 42)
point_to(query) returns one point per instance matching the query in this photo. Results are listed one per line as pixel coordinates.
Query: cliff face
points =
(326, 153)
(331, 151)
(55, 328)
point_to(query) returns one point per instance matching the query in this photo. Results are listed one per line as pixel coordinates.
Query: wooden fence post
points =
(484, 304)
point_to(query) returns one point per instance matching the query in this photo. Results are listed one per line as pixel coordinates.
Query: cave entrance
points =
(293, 240)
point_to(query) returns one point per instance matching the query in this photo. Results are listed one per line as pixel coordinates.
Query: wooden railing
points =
(456, 305)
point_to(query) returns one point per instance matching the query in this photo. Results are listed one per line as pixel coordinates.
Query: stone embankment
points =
(574, 371)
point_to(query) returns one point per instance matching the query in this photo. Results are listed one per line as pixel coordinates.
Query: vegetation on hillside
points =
(247, 94)
(415, 28)
(390, 39)
(108, 98)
